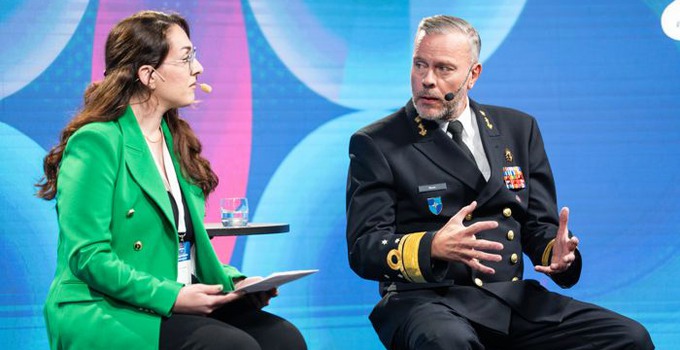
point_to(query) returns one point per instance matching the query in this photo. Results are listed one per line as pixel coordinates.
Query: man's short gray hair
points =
(441, 24)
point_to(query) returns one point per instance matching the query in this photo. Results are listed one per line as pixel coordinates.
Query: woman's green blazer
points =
(118, 246)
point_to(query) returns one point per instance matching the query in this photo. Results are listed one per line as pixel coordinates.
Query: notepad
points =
(274, 280)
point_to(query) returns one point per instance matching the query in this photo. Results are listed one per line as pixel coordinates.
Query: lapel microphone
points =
(451, 95)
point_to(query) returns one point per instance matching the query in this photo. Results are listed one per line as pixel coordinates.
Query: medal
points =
(513, 178)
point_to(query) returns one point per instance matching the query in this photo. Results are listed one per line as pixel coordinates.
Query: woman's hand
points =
(202, 299)
(258, 299)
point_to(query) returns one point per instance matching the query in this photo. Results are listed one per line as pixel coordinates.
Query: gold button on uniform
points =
(515, 279)
(479, 282)
(137, 246)
(468, 217)
(507, 212)
(130, 213)
(511, 235)
(514, 258)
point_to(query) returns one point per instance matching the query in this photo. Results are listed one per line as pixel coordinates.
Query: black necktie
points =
(456, 129)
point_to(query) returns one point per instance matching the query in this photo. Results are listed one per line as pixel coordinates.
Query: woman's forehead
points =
(178, 39)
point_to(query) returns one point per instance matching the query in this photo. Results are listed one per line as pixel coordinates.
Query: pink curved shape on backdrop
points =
(225, 116)
(223, 119)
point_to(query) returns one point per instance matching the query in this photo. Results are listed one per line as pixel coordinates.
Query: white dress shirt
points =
(472, 139)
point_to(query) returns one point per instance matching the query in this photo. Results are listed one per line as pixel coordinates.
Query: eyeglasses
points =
(188, 60)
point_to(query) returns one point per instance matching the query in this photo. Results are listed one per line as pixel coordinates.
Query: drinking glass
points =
(234, 211)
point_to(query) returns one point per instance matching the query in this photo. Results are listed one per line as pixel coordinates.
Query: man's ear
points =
(475, 73)
(145, 75)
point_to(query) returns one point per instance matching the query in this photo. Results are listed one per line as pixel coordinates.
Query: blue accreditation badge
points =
(184, 251)
(185, 267)
(435, 205)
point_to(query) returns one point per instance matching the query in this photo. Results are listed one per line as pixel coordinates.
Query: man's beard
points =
(445, 114)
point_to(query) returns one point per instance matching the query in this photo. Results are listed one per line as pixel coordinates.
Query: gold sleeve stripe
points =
(409, 247)
(545, 260)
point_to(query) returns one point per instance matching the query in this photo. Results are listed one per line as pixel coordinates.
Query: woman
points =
(130, 185)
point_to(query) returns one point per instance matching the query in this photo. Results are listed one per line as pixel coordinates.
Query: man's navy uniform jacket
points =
(407, 178)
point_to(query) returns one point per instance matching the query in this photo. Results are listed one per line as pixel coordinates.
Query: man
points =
(444, 196)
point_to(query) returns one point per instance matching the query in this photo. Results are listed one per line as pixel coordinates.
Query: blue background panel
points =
(601, 77)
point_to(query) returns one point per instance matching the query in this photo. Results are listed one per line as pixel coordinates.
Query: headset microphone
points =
(205, 88)
(451, 95)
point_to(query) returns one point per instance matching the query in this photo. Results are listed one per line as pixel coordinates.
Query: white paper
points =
(275, 280)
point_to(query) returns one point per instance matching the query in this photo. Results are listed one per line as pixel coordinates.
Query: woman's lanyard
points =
(185, 262)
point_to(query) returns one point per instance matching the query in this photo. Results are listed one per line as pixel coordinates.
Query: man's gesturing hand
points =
(455, 242)
(563, 251)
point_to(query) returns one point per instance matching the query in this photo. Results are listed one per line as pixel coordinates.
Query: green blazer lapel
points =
(141, 165)
(189, 191)
(208, 267)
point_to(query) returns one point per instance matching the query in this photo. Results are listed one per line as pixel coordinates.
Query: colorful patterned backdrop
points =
(293, 79)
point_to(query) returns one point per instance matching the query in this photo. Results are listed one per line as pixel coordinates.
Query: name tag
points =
(184, 265)
(433, 187)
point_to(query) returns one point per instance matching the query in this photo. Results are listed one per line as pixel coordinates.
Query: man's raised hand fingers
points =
(564, 216)
(479, 255)
(573, 243)
(563, 229)
(481, 226)
(569, 258)
(460, 215)
(483, 244)
(476, 265)
(543, 269)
